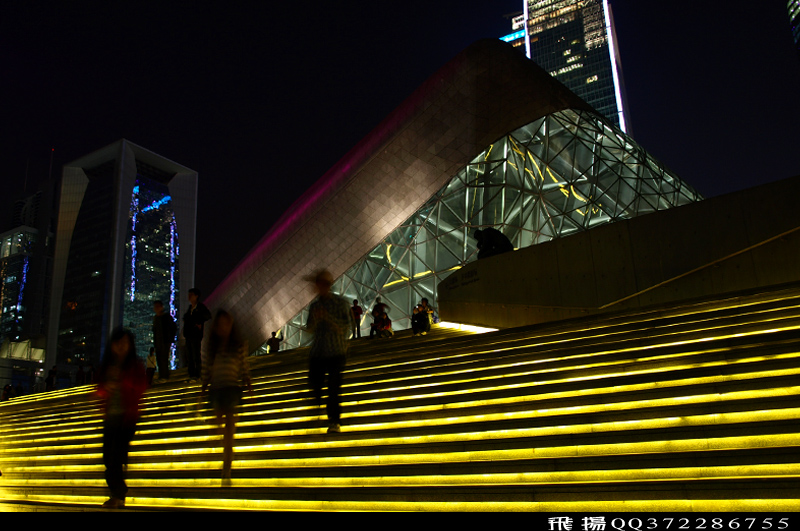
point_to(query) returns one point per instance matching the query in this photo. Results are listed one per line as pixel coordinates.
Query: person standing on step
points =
(357, 313)
(193, 322)
(274, 343)
(225, 372)
(121, 382)
(330, 321)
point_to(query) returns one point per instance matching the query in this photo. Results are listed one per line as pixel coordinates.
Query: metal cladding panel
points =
(485, 92)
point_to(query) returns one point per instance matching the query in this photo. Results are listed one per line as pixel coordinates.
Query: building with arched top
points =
(490, 140)
(124, 238)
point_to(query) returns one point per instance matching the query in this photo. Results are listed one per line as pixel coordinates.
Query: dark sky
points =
(261, 98)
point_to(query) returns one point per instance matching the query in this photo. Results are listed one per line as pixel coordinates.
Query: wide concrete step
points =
(690, 407)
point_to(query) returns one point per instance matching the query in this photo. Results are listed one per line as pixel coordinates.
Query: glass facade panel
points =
(151, 261)
(574, 41)
(793, 7)
(550, 178)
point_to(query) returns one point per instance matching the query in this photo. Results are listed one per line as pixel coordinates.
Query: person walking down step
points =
(121, 382)
(225, 372)
(193, 322)
(330, 321)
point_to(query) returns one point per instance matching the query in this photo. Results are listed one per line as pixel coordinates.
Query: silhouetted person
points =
(330, 320)
(80, 376)
(193, 322)
(50, 381)
(225, 372)
(377, 312)
(121, 381)
(428, 311)
(164, 330)
(419, 321)
(274, 343)
(491, 242)
(357, 313)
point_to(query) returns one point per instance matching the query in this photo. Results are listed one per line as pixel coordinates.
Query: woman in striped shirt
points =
(225, 372)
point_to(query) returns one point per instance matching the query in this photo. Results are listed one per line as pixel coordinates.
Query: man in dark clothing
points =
(357, 312)
(330, 320)
(274, 343)
(491, 242)
(163, 337)
(193, 332)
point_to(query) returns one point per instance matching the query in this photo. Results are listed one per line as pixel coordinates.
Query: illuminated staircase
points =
(694, 407)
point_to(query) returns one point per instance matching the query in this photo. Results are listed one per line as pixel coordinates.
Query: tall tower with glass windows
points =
(793, 6)
(125, 238)
(574, 40)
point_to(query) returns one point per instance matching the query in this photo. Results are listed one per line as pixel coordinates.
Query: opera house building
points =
(490, 140)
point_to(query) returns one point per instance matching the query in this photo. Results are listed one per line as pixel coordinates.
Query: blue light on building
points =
(152, 256)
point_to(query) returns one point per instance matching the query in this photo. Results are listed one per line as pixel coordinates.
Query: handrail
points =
(710, 264)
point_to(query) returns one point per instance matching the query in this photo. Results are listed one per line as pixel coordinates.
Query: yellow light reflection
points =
(466, 327)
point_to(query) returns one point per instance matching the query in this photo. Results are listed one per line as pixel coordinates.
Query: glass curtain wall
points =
(564, 173)
(151, 258)
(16, 250)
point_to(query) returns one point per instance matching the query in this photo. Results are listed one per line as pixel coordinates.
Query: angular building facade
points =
(125, 237)
(490, 140)
(575, 41)
(793, 7)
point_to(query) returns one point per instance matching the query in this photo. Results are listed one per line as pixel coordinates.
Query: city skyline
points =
(261, 113)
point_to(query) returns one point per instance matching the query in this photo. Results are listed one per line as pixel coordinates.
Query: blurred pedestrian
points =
(225, 372)
(330, 320)
(193, 322)
(151, 366)
(50, 381)
(80, 376)
(164, 330)
(121, 381)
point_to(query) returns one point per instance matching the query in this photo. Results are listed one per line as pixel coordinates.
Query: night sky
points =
(262, 99)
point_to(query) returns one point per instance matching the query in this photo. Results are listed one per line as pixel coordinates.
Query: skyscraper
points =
(793, 6)
(25, 260)
(26, 252)
(574, 41)
(125, 237)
